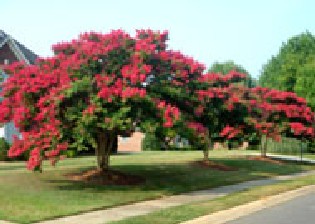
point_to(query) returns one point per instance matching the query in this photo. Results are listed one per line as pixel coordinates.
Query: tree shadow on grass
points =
(179, 178)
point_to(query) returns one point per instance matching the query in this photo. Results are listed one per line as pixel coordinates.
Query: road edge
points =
(224, 216)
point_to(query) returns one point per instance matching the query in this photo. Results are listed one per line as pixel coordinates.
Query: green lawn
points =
(27, 196)
(310, 156)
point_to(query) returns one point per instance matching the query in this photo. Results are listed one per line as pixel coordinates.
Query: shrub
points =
(150, 142)
(71, 153)
(4, 147)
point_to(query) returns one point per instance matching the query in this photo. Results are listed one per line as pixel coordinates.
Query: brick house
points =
(11, 51)
(132, 143)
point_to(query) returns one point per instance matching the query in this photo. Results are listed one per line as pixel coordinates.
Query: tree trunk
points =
(105, 142)
(229, 145)
(206, 151)
(206, 155)
(115, 145)
(263, 145)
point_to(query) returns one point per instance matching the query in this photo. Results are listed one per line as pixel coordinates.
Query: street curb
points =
(224, 216)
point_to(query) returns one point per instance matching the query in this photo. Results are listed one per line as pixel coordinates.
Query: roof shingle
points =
(28, 54)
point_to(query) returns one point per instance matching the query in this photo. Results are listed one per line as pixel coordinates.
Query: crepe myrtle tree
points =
(219, 104)
(274, 113)
(94, 88)
(208, 103)
(240, 113)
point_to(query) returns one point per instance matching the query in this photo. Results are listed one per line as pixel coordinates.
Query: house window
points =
(123, 139)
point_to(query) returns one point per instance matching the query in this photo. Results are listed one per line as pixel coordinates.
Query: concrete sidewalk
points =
(145, 207)
(291, 158)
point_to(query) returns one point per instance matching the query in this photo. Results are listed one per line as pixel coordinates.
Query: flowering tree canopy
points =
(103, 85)
(238, 112)
(217, 104)
(273, 114)
(277, 113)
(93, 89)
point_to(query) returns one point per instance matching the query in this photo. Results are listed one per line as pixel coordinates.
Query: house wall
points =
(131, 144)
(7, 54)
(1, 132)
(219, 145)
(8, 130)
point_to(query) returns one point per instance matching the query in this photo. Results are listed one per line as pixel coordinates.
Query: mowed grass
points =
(310, 156)
(27, 197)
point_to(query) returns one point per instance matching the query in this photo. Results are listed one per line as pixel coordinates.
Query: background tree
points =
(292, 69)
(305, 81)
(225, 67)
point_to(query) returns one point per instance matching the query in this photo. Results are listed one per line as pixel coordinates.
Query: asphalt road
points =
(300, 210)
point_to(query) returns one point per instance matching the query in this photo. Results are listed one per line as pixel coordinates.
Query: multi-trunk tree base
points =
(108, 177)
(107, 143)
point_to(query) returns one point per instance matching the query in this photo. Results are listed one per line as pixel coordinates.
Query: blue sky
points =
(248, 32)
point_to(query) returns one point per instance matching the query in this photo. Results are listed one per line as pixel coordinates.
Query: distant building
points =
(132, 143)
(11, 51)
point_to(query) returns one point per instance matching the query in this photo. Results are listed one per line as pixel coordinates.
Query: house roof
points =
(21, 52)
(2, 37)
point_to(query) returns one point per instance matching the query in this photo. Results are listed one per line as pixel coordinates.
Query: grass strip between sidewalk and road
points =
(191, 211)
